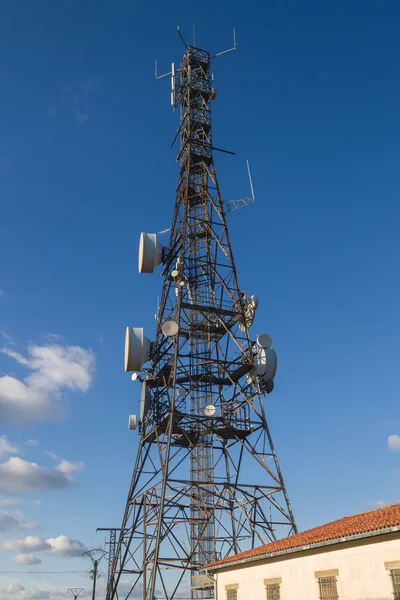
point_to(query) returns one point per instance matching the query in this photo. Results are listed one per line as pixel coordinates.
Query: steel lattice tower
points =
(206, 482)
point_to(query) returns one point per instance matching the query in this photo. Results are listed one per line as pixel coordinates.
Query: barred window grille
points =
(273, 591)
(231, 595)
(395, 574)
(328, 588)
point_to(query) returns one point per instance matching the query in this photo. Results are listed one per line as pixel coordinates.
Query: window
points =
(327, 588)
(395, 574)
(273, 591)
(232, 591)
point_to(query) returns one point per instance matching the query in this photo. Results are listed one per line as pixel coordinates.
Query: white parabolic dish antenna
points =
(150, 252)
(265, 364)
(209, 410)
(254, 301)
(144, 402)
(264, 340)
(170, 328)
(137, 349)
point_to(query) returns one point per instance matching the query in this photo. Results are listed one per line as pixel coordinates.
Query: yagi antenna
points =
(232, 205)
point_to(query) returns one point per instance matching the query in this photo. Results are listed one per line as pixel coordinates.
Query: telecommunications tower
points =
(206, 482)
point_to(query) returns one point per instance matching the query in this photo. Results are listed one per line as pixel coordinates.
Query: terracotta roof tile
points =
(381, 518)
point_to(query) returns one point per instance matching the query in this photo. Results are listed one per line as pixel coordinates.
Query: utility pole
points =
(76, 592)
(95, 556)
(111, 548)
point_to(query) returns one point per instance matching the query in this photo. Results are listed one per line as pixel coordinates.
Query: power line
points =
(91, 539)
(41, 572)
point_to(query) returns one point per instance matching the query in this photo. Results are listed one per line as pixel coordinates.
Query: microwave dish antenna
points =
(170, 328)
(265, 365)
(137, 349)
(150, 252)
(209, 410)
(254, 301)
(264, 340)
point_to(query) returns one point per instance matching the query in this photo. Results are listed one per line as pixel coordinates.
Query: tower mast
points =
(206, 482)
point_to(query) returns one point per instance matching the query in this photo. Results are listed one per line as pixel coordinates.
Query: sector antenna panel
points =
(144, 402)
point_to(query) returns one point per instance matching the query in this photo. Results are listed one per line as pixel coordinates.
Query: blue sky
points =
(311, 98)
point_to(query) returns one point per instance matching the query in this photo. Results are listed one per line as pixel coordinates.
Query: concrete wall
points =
(362, 573)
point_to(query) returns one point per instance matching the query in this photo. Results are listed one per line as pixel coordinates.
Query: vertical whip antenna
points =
(251, 182)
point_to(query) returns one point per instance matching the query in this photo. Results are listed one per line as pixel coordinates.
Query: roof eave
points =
(348, 538)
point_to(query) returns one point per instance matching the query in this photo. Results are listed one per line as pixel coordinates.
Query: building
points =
(355, 558)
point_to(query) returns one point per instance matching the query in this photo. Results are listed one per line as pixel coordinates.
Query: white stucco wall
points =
(362, 573)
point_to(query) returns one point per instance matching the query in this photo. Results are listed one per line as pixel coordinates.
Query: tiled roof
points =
(374, 520)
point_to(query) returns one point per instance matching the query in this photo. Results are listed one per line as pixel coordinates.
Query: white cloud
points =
(54, 337)
(53, 367)
(16, 591)
(77, 96)
(70, 92)
(52, 455)
(7, 522)
(68, 468)
(10, 501)
(19, 476)
(26, 559)
(61, 594)
(15, 521)
(57, 366)
(34, 594)
(19, 592)
(7, 337)
(376, 504)
(13, 587)
(25, 545)
(63, 546)
(80, 116)
(32, 443)
(394, 442)
(6, 447)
